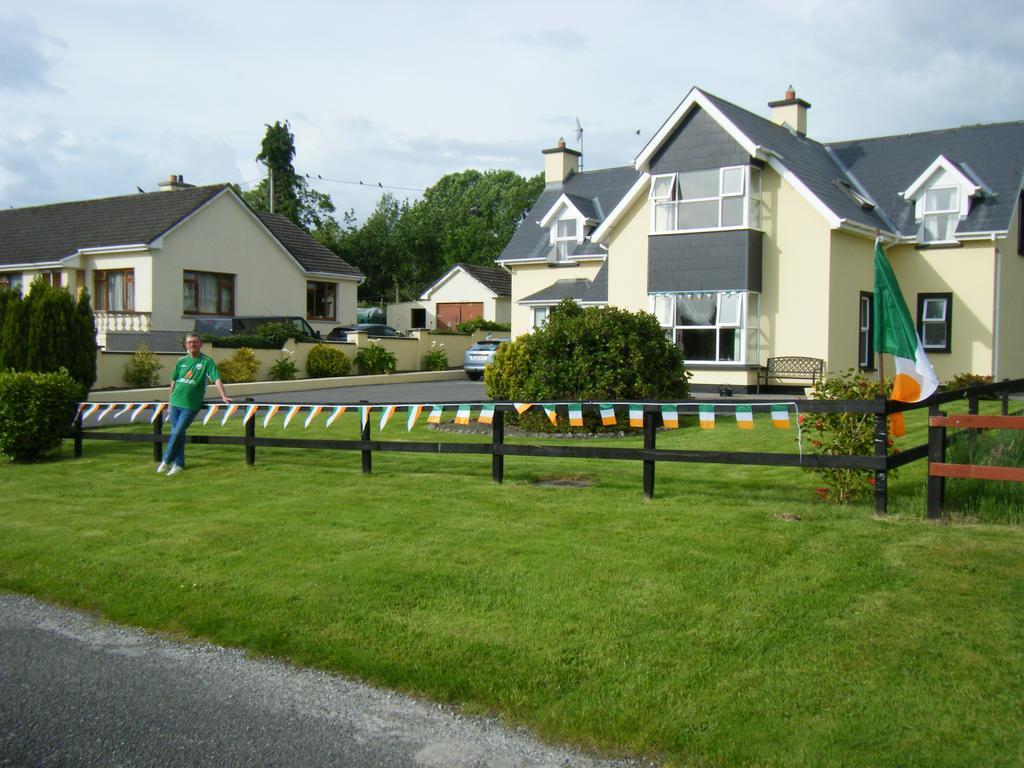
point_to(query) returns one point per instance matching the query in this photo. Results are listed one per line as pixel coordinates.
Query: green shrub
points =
(241, 366)
(277, 334)
(597, 354)
(436, 358)
(325, 361)
(965, 380)
(143, 370)
(48, 330)
(284, 368)
(36, 410)
(375, 359)
(479, 324)
(844, 434)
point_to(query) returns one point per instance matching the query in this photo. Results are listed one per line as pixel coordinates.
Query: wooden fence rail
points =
(649, 455)
(939, 470)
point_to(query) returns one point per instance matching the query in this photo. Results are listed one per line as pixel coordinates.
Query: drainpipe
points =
(995, 311)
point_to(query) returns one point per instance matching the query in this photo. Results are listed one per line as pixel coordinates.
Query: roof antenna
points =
(579, 141)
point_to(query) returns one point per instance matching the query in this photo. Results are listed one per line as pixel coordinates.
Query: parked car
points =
(246, 325)
(479, 356)
(374, 330)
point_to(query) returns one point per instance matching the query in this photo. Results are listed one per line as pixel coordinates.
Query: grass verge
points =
(733, 620)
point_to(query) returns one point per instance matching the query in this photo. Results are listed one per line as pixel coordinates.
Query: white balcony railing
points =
(122, 322)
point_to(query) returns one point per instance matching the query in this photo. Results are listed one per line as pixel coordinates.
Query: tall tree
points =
(277, 150)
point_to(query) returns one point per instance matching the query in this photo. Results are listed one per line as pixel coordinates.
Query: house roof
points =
(857, 184)
(312, 255)
(573, 288)
(593, 193)
(48, 233)
(993, 155)
(45, 234)
(495, 278)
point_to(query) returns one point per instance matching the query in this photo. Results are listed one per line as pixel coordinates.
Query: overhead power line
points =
(368, 185)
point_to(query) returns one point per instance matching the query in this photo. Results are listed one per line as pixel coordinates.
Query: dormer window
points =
(941, 214)
(695, 201)
(942, 197)
(565, 234)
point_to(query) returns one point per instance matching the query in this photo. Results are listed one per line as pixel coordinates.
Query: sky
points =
(103, 98)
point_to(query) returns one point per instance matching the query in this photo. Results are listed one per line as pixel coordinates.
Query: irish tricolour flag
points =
(895, 333)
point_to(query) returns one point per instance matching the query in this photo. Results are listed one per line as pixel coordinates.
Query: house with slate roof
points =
(748, 239)
(464, 292)
(157, 261)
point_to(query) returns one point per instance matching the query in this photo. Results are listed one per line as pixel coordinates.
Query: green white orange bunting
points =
(551, 413)
(575, 415)
(386, 413)
(229, 413)
(290, 415)
(607, 414)
(338, 410)
(707, 416)
(670, 416)
(522, 408)
(213, 409)
(435, 414)
(250, 411)
(636, 415)
(744, 417)
(462, 415)
(414, 413)
(780, 417)
(313, 413)
(486, 414)
(270, 414)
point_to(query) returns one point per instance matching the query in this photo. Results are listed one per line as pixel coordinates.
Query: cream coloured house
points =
(464, 292)
(158, 261)
(749, 240)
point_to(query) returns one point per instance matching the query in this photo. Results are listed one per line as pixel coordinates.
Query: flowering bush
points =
(436, 358)
(844, 434)
(376, 359)
(284, 368)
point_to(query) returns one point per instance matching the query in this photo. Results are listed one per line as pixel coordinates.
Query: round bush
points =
(325, 361)
(240, 367)
(596, 353)
(36, 410)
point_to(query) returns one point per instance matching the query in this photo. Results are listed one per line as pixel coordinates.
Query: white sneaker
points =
(162, 468)
(175, 469)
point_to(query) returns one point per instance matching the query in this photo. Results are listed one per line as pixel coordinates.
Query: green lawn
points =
(701, 627)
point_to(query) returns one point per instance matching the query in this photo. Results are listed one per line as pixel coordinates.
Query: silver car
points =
(479, 356)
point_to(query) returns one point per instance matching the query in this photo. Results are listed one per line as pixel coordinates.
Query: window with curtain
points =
(114, 290)
(209, 293)
(709, 326)
(321, 301)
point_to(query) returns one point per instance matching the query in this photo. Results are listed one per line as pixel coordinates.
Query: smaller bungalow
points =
(156, 261)
(464, 292)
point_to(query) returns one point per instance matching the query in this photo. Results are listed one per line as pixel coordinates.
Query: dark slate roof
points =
(888, 165)
(46, 233)
(596, 193)
(808, 159)
(494, 278)
(597, 293)
(575, 289)
(313, 256)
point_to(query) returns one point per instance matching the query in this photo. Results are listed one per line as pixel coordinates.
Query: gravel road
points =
(77, 691)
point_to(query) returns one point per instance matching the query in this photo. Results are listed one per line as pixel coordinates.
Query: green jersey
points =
(190, 377)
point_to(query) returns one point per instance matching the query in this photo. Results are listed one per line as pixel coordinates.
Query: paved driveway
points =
(75, 691)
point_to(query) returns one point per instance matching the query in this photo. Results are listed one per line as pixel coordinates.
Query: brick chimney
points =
(560, 162)
(791, 110)
(174, 183)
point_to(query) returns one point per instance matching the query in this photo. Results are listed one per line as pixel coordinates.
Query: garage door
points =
(451, 314)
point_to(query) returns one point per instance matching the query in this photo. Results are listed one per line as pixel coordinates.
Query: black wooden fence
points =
(880, 463)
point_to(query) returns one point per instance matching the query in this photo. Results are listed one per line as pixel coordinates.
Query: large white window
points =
(710, 326)
(941, 213)
(565, 235)
(719, 198)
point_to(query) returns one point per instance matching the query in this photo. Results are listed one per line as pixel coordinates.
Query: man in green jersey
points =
(188, 387)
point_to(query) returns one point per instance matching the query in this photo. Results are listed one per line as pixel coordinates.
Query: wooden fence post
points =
(649, 440)
(364, 435)
(881, 450)
(77, 433)
(250, 438)
(158, 428)
(936, 455)
(497, 439)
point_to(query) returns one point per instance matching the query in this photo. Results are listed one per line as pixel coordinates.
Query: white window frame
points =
(563, 244)
(539, 315)
(940, 212)
(741, 320)
(666, 205)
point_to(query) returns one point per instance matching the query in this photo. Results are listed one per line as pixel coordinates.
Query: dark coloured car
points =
(247, 325)
(479, 356)
(374, 330)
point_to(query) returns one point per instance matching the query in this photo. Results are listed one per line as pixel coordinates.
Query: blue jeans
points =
(180, 419)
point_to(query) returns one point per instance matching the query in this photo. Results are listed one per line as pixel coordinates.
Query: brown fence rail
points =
(939, 470)
(880, 463)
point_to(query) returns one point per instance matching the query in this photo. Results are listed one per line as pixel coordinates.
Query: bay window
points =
(321, 301)
(718, 198)
(710, 326)
(208, 293)
(114, 290)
